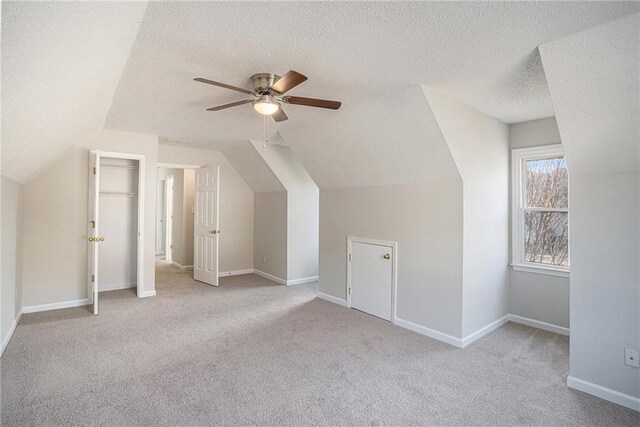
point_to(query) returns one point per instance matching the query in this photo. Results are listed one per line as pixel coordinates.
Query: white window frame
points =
(518, 157)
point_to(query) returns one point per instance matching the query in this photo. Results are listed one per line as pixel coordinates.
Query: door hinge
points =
(94, 170)
(93, 278)
(349, 290)
(349, 257)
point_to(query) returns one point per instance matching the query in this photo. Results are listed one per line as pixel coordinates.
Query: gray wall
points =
(538, 296)
(270, 226)
(479, 145)
(605, 278)
(302, 208)
(426, 221)
(11, 292)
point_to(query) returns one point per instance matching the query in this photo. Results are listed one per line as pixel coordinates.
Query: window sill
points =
(549, 271)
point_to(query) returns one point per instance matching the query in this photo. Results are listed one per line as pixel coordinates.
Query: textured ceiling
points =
(512, 92)
(371, 56)
(252, 167)
(61, 63)
(593, 78)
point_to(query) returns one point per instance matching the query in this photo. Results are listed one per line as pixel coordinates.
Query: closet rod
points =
(103, 165)
(117, 193)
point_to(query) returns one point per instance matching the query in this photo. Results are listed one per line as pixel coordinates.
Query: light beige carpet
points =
(253, 352)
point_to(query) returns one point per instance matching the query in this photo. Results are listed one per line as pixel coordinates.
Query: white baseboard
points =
(235, 272)
(605, 393)
(331, 298)
(11, 331)
(431, 333)
(303, 280)
(283, 281)
(538, 324)
(270, 277)
(117, 287)
(55, 306)
(148, 294)
(484, 331)
(182, 267)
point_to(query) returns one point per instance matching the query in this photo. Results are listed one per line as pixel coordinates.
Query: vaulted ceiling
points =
(61, 64)
(371, 56)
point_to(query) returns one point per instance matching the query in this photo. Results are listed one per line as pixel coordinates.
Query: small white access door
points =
(372, 276)
(206, 231)
(93, 230)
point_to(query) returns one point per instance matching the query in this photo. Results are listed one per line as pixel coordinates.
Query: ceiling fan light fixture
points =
(266, 105)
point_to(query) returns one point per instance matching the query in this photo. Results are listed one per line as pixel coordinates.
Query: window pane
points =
(546, 237)
(547, 183)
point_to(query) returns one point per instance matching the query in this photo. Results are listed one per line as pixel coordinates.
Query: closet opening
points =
(116, 211)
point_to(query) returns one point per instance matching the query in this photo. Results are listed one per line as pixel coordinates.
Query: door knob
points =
(386, 256)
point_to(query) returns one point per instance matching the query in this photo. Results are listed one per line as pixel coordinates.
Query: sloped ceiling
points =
(371, 56)
(252, 167)
(61, 63)
(593, 77)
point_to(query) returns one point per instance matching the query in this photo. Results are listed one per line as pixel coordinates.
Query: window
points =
(540, 221)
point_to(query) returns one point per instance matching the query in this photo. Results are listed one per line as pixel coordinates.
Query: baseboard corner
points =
(302, 280)
(485, 330)
(428, 332)
(331, 298)
(270, 276)
(539, 324)
(182, 267)
(6, 340)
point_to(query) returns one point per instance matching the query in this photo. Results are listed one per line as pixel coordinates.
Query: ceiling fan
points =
(268, 91)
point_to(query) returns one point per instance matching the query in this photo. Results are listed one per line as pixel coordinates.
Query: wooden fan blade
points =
(279, 116)
(312, 102)
(233, 104)
(226, 86)
(288, 82)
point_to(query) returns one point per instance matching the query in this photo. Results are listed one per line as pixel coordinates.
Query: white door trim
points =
(394, 268)
(141, 201)
(168, 218)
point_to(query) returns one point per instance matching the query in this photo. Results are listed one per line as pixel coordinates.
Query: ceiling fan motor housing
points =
(263, 81)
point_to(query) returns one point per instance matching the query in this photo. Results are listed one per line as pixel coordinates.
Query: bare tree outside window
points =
(546, 215)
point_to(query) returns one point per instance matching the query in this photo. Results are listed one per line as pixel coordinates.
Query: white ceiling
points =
(593, 77)
(252, 167)
(371, 56)
(61, 63)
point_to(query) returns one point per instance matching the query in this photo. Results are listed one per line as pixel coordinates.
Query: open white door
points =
(206, 229)
(93, 229)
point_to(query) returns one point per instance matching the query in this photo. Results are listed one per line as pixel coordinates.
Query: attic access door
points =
(206, 231)
(371, 276)
(95, 233)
